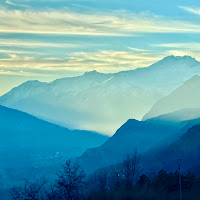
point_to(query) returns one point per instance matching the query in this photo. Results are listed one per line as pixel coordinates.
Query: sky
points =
(50, 39)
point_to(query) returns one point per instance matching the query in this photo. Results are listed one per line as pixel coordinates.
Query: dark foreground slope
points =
(140, 136)
(145, 137)
(186, 148)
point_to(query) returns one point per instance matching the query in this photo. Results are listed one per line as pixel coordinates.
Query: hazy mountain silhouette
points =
(31, 147)
(187, 148)
(102, 102)
(21, 130)
(186, 114)
(134, 135)
(141, 136)
(185, 96)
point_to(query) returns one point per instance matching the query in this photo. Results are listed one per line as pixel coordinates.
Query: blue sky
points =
(49, 39)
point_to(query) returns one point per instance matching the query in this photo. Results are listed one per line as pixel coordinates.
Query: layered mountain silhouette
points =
(102, 102)
(20, 130)
(186, 148)
(166, 94)
(187, 97)
(185, 114)
(152, 135)
(31, 147)
(134, 135)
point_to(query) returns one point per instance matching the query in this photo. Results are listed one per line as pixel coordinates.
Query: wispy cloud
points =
(104, 61)
(35, 43)
(10, 51)
(16, 4)
(180, 52)
(182, 49)
(138, 50)
(18, 73)
(71, 23)
(193, 10)
(187, 45)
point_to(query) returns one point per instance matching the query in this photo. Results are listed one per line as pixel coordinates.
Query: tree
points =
(189, 180)
(143, 181)
(53, 193)
(30, 190)
(130, 169)
(71, 181)
(115, 178)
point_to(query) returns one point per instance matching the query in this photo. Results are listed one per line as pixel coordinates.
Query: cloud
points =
(103, 24)
(194, 54)
(16, 4)
(11, 3)
(34, 44)
(17, 73)
(195, 10)
(10, 51)
(186, 45)
(137, 50)
(182, 49)
(103, 61)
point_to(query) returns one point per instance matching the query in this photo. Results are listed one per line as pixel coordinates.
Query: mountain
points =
(187, 96)
(166, 74)
(28, 145)
(187, 114)
(186, 148)
(102, 102)
(23, 130)
(94, 101)
(140, 136)
(147, 136)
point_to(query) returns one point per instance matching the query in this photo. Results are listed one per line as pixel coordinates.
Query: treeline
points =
(120, 182)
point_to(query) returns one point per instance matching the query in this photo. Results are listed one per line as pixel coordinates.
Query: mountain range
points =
(151, 139)
(25, 131)
(140, 136)
(39, 121)
(186, 148)
(102, 102)
(173, 116)
(28, 144)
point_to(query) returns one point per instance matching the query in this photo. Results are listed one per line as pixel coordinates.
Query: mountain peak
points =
(175, 62)
(193, 80)
(94, 72)
(179, 58)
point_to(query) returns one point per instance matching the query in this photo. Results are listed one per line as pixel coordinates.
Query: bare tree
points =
(130, 169)
(53, 193)
(30, 190)
(115, 177)
(71, 181)
(102, 180)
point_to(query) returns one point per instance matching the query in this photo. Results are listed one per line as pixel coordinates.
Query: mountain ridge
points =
(185, 96)
(22, 122)
(101, 102)
(152, 135)
(187, 147)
